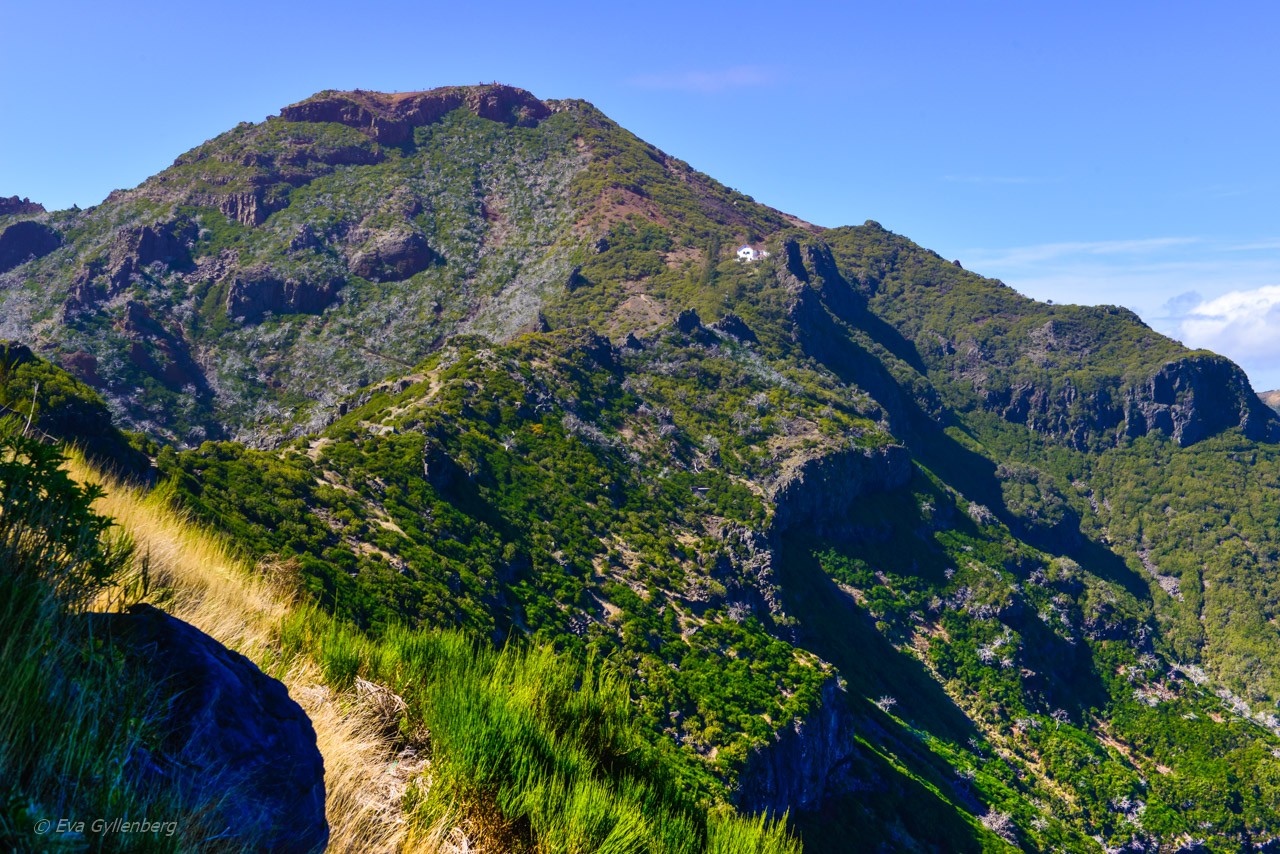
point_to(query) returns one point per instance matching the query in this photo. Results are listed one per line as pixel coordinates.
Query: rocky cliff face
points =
(803, 764)
(1187, 400)
(253, 294)
(1196, 397)
(132, 252)
(26, 241)
(815, 492)
(15, 206)
(390, 118)
(917, 331)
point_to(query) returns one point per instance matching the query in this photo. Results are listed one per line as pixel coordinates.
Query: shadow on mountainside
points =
(842, 632)
(828, 340)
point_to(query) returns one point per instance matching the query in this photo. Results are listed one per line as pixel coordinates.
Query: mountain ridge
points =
(868, 528)
(302, 272)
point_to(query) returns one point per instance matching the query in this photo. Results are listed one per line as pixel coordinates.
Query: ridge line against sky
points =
(1086, 153)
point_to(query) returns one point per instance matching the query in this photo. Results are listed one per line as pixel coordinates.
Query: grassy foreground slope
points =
(1008, 693)
(1025, 552)
(525, 748)
(74, 711)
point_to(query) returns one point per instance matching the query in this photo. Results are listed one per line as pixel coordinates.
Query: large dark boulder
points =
(253, 294)
(232, 733)
(24, 241)
(392, 256)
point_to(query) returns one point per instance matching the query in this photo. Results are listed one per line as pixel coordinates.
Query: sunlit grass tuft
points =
(198, 579)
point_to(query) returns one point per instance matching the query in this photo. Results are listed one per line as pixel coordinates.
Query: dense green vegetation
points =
(536, 461)
(542, 751)
(60, 755)
(539, 749)
(496, 497)
(580, 424)
(585, 495)
(50, 402)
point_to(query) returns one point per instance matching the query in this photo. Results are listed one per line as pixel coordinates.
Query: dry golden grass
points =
(197, 578)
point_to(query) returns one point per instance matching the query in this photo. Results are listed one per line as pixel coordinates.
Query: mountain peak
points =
(15, 205)
(389, 117)
(1271, 398)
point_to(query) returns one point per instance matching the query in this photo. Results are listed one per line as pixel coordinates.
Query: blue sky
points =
(1086, 152)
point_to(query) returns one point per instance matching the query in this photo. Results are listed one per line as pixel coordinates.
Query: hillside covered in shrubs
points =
(662, 550)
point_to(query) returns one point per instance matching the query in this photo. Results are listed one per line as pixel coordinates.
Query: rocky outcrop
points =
(1188, 399)
(1057, 410)
(741, 579)
(25, 241)
(84, 367)
(15, 206)
(816, 492)
(688, 321)
(247, 208)
(233, 736)
(132, 251)
(137, 248)
(390, 118)
(163, 353)
(735, 326)
(1197, 397)
(802, 765)
(392, 256)
(167, 242)
(440, 470)
(252, 295)
(794, 260)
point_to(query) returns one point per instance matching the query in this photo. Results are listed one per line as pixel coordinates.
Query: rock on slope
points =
(1271, 398)
(231, 729)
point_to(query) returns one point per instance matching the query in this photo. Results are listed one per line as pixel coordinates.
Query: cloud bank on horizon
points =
(1213, 295)
(1242, 324)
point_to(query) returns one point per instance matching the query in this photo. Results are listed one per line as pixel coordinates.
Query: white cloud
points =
(1260, 245)
(1199, 291)
(1244, 325)
(708, 81)
(1039, 253)
(1180, 306)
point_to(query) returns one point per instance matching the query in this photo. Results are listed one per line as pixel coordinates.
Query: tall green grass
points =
(536, 751)
(77, 722)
